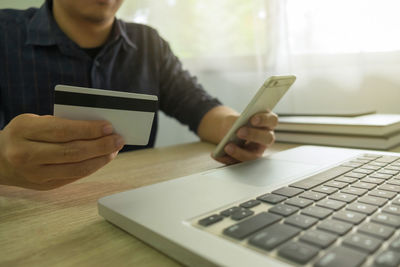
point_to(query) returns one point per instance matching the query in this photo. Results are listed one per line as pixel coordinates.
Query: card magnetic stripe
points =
(107, 102)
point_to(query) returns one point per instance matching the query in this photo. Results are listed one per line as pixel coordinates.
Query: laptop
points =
(307, 206)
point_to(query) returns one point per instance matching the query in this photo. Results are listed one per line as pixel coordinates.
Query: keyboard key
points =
(334, 226)
(342, 256)
(251, 225)
(372, 180)
(298, 252)
(318, 238)
(299, 202)
(345, 179)
(228, 212)
(321, 177)
(349, 216)
(288, 191)
(381, 176)
(395, 245)
(389, 172)
(355, 175)
(271, 198)
(363, 185)
(343, 197)
(377, 201)
(371, 156)
(354, 191)
(362, 208)
(362, 160)
(301, 221)
(396, 201)
(371, 167)
(210, 220)
(387, 219)
(313, 195)
(392, 209)
(273, 236)
(387, 159)
(331, 204)
(362, 170)
(362, 242)
(382, 193)
(284, 210)
(393, 168)
(241, 214)
(249, 204)
(325, 189)
(392, 188)
(336, 184)
(379, 164)
(352, 164)
(317, 212)
(387, 259)
(393, 182)
(376, 230)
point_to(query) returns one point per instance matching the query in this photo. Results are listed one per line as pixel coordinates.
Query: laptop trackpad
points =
(264, 172)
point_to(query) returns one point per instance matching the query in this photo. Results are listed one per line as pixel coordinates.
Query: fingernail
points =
(108, 129)
(119, 142)
(242, 133)
(229, 149)
(256, 120)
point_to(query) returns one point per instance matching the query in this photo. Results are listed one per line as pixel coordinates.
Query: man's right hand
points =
(46, 152)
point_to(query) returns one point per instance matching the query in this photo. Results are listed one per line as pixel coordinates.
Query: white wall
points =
(321, 86)
(20, 4)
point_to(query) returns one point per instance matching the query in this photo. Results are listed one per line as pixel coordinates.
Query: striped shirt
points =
(35, 56)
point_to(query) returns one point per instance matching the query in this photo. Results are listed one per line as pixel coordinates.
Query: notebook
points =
(307, 206)
(354, 141)
(377, 125)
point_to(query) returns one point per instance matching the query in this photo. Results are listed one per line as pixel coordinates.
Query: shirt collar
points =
(40, 27)
(43, 29)
(120, 30)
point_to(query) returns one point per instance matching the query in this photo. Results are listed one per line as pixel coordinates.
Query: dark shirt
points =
(35, 56)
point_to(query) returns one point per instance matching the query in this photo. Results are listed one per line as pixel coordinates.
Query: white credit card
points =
(130, 114)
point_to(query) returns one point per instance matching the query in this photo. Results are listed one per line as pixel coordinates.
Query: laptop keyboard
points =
(345, 216)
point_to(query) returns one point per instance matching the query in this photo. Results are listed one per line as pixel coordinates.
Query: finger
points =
(255, 148)
(55, 129)
(265, 119)
(256, 135)
(56, 183)
(226, 160)
(241, 154)
(77, 151)
(70, 171)
(48, 185)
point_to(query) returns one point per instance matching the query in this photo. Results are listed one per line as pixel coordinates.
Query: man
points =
(79, 42)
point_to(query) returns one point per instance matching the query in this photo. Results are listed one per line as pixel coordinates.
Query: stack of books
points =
(372, 131)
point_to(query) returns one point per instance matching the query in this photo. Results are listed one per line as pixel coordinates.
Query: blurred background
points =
(345, 54)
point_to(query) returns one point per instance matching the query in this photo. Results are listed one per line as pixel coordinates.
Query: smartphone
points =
(266, 98)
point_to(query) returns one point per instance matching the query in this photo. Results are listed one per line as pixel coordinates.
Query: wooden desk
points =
(62, 227)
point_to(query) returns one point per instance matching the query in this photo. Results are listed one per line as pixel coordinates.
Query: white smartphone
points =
(265, 99)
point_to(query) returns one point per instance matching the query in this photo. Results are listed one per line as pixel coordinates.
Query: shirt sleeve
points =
(181, 96)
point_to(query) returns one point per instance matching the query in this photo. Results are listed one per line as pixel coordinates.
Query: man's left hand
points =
(257, 135)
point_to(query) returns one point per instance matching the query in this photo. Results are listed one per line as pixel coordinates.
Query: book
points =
(354, 141)
(345, 113)
(366, 125)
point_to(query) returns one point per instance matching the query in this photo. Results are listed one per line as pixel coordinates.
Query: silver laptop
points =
(308, 206)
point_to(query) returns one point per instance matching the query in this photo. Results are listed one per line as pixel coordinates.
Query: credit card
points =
(130, 114)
